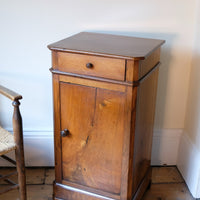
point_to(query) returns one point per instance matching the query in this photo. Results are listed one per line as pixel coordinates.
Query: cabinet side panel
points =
(147, 64)
(145, 109)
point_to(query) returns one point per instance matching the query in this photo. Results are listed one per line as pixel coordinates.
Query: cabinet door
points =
(92, 152)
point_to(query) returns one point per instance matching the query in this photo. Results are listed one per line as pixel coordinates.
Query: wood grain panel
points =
(77, 115)
(112, 68)
(93, 83)
(147, 64)
(54, 59)
(146, 96)
(132, 69)
(92, 154)
(127, 177)
(109, 132)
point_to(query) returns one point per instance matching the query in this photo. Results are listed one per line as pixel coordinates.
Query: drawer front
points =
(111, 68)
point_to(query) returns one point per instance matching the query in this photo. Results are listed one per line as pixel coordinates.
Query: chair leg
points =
(21, 173)
(19, 152)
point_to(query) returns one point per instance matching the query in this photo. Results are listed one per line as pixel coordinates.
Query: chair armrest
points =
(9, 93)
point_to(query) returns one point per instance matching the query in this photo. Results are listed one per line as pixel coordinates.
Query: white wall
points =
(27, 27)
(192, 119)
(189, 151)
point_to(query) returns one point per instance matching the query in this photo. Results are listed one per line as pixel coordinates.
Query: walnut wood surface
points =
(147, 64)
(108, 45)
(126, 190)
(68, 74)
(108, 112)
(57, 129)
(88, 155)
(100, 66)
(93, 83)
(145, 108)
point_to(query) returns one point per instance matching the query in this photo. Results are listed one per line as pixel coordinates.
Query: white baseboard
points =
(39, 147)
(189, 164)
(165, 146)
(170, 147)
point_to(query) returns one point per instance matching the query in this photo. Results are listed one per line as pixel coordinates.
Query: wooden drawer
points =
(111, 68)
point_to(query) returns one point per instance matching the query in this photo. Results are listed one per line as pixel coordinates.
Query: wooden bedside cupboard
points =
(104, 91)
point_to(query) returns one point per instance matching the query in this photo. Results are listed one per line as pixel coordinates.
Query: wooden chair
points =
(13, 142)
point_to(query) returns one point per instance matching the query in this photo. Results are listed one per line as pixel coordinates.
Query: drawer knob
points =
(89, 65)
(65, 133)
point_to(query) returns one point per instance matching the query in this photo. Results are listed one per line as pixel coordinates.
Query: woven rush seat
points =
(7, 142)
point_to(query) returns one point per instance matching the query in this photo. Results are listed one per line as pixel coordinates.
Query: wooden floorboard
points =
(172, 191)
(167, 184)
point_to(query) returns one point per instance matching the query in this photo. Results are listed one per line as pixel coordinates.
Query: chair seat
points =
(7, 142)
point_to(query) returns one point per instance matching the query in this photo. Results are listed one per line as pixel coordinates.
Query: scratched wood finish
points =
(112, 68)
(89, 157)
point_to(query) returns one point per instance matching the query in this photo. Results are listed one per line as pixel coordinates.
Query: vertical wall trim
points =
(188, 164)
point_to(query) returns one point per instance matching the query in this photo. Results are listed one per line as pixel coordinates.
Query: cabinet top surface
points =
(108, 45)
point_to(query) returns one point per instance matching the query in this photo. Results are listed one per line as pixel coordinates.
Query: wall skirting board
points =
(170, 147)
(188, 164)
(39, 147)
(165, 146)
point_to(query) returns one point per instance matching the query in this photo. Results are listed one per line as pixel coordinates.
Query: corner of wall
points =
(165, 146)
(188, 164)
